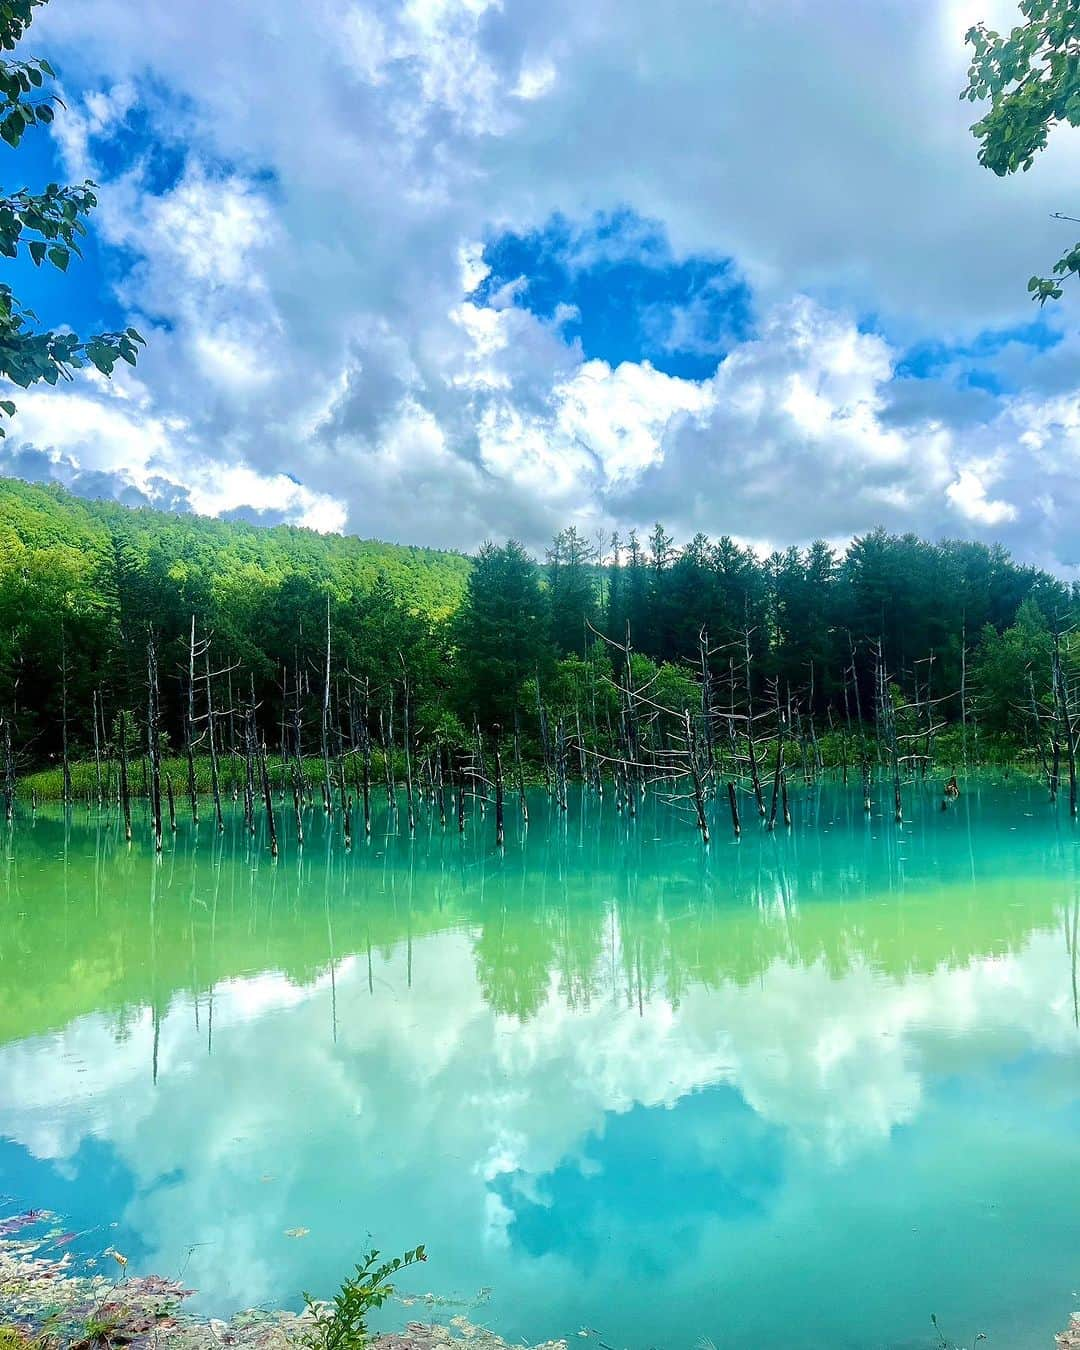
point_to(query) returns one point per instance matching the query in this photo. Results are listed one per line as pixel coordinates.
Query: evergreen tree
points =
(571, 580)
(501, 632)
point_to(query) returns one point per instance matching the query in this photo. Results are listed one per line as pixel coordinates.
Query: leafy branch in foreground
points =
(47, 226)
(342, 1324)
(1032, 79)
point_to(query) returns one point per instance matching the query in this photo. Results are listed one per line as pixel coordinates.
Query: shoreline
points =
(88, 1303)
(48, 1297)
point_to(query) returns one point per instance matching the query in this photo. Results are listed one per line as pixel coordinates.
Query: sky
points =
(448, 270)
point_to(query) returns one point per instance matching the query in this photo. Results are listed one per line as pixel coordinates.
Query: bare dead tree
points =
(125, 788)
(153, 738)
(325, 725)
(500, 828)
(189, 724)
(523, 801)
(212, 735)
(9, 771)
(267, 795)
(407, 734)
(97, 748)
(66, 789)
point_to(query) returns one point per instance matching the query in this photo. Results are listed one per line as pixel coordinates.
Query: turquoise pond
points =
(804, 1090)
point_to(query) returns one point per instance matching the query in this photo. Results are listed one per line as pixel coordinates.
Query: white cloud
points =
(836, 1061)
(304, 279)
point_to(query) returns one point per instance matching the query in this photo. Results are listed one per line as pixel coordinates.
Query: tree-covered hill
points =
(227, 554)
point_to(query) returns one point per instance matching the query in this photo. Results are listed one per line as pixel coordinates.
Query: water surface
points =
(806, 1089)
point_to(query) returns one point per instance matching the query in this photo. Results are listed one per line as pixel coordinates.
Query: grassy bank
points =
(836, 753)
(48, 784)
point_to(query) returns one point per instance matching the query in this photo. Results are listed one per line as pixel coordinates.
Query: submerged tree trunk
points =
(755, 777)
(268, 799)
(407, 734)
(153, 740)
(66, 788)
(9, 771)
(1064, 704)
(778, 772)
(211, 736)
(523, 800)
(125, 789)
(696, 779)
(97, 749)
(500, 830)
(733, 803)
(327, 792)
(189, 728)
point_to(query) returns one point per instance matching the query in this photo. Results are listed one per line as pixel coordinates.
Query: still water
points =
(805, 1090)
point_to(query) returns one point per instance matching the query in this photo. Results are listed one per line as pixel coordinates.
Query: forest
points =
(961, 631)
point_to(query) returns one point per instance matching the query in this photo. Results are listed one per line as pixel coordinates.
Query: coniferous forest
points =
(634, 654)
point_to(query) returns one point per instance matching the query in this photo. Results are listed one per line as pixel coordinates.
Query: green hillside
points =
(226, 554)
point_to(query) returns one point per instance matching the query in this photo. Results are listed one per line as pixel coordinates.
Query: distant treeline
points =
(494, 639)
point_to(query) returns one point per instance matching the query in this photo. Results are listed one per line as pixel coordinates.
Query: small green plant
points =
(342, 1324)
(102, 1326)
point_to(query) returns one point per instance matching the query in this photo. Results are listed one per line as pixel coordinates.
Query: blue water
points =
(805, 1089)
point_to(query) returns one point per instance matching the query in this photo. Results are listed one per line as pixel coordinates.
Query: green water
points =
(804, 1090)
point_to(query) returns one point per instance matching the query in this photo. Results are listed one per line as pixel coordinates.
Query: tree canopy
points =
(1032, 79)
(45, 226)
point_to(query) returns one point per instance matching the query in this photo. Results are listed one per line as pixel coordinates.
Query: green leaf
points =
(37, 252)
(60, 257)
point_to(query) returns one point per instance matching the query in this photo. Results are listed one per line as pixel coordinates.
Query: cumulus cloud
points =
(305, 271)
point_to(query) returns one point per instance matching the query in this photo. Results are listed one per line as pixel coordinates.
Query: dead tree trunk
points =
(439, 782)
(733, 802)
(326, 720)
(1039, 746)
(523, 800)
(500, 829)
(778, 772)
(249, 762)
(153, 739)
(298, 812)
(125, 787)
(545, 738)
(211, 738)
(66, 787)
(189, 728)
(1064, 702)
(365, 760)
(407, 733)
(387, 738)
(97, 749)
(696, 778)
(755, 777)
(481, 766)
(268, 799)
(9, 772)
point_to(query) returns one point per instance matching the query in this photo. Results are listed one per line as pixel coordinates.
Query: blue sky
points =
(443, 270)
(633, 300)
